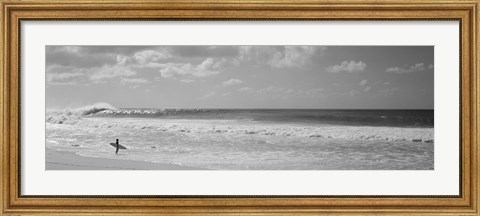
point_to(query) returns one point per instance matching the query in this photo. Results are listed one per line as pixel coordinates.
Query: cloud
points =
(98, 64)
(75, 56)
(388, 92)
(346, 66)
(289, 91)
(68, 49)
(63, 78)
(271, 89)
(278, 56)
(187, 80)
(232, 82)
(101, 64)
(275, 92)
(353, 93)
(292, 56)
(245, 89)
(148, 56)
(65, 75)
(207, 96)
(133, 81)
(206, 68)
(315, 91)
(204, 51)
(367, 89)
(414, 68)
(107, 72)
(62, 75)
(172, 70)
(362, 83)
(226, 94)
(113, 49)
(97, 56)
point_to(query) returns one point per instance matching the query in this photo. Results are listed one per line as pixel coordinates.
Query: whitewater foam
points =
(237, 127)
(236, 143)
(72, 116)
(233, 144)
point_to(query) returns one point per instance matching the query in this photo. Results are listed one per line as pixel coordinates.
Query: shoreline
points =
(56, 160)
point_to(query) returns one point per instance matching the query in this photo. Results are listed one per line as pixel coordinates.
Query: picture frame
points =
(14, 12)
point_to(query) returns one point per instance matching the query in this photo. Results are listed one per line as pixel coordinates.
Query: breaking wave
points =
(72, 116)
(95, 108)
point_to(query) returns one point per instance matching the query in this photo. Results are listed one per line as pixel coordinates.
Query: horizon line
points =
(280, 108)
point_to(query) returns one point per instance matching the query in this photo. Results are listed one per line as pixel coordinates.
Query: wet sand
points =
(59, 160)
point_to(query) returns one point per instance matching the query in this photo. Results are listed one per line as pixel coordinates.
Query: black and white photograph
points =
(239, 107)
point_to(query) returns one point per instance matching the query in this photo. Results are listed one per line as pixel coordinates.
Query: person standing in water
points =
(117, 146)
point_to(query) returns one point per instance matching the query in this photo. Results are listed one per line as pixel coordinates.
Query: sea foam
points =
(237, 127)
(72, 116)
(103, 115)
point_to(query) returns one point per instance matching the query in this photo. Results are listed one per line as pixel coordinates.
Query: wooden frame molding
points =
(14, 11)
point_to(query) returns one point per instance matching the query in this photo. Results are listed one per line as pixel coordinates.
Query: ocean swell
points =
(394, 118)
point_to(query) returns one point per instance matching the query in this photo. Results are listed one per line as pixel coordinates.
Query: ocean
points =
(250, 139)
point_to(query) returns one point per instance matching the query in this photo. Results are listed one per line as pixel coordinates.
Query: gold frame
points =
(13, 203)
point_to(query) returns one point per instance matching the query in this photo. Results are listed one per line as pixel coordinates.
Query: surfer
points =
(117, 147)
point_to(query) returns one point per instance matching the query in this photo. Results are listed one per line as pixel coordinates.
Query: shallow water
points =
(242, 144)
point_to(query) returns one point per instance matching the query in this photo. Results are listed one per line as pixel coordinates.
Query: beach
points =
(61, 160)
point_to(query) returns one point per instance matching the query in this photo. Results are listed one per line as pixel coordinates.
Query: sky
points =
(256, 77)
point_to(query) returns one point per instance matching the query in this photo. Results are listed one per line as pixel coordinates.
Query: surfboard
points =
(119, 146)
